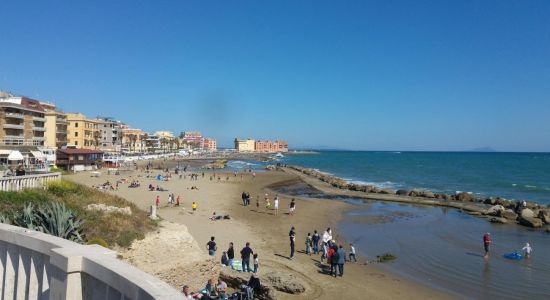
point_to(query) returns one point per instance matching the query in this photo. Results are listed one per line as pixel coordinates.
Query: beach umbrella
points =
(15, 155)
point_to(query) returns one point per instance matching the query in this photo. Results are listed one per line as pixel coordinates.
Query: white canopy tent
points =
(15, 155)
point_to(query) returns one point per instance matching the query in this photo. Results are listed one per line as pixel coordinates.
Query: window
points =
(76, 143)
(76, 134)
(76, 125)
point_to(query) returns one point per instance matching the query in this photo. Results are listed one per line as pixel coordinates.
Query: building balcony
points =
(35, 128)
(14, 140)
(61, 122)
(14, 126)
(39, 119)
(38, 138)
(15, 115)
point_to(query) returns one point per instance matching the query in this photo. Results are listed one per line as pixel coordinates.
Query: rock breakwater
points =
(525, 213)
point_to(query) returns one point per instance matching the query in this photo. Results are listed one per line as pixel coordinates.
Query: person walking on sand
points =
(352, 253)
(257, 203)
(157, 201)
(527, 250)
(211, 246)
(178, 201)
(194, 206)
(292, 207)
(341, 260)
(276, 204)
(292, 237)
(486, 243)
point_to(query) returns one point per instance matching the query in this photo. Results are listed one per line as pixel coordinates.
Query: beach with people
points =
(266, 231)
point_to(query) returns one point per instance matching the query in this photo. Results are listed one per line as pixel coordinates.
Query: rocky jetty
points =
(500, 209)
(217, 164)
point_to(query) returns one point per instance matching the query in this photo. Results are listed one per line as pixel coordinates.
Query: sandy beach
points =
(266, 231)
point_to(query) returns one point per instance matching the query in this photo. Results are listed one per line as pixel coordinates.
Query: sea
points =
(442, 247)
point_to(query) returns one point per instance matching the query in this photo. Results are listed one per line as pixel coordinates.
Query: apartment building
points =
(271, 146)
(244, 145)
(191, 137)
(22, 121)
(82, 132)
(110, 134)
(133, 140)
(209, 144)
(56, 127)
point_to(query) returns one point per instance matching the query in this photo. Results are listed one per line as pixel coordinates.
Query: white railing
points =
(34, 265)
(18, 183)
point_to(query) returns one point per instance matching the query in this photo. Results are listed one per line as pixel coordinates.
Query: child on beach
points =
(352, 253)
(256, 264)
(292, 207)
(194, 206)
(157, 201)
(308, 244)
(527, 250)
(178, 201)
(276, 204)
(257, 203)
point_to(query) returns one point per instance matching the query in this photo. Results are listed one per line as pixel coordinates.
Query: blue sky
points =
(373, 75)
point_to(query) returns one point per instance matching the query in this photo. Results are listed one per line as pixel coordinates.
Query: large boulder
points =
(544, 216)
(508, 214)
(530, 222)
(402, 192)
(495, 210)
(465, 197)
(498, 220)
(527, 213)
(428, 194)
(387, 191)
(413, 193)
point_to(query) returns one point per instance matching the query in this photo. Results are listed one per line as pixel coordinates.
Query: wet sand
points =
(268, 233)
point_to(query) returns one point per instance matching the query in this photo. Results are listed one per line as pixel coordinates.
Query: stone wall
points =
(34, 265)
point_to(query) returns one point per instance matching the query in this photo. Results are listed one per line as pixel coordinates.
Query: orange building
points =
(271, 146)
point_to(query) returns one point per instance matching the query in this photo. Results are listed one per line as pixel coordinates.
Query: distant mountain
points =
(483, 149)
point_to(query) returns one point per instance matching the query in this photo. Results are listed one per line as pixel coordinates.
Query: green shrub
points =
(63, 188)
(126, 238)
(98, 241)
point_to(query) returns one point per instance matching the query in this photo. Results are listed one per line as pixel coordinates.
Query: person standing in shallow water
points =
(486, 243)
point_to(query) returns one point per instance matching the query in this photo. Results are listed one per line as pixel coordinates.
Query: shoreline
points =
(498, 209)
(268, 234)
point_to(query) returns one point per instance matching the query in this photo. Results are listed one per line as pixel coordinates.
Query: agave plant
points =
(4, 219)
(58, 220)
(27, 218)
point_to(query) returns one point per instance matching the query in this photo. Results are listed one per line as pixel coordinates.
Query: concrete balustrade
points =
(34, 265)
(18, 183)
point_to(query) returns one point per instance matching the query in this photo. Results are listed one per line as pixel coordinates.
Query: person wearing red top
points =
(486, 243)
(157, 201)
(178, 201)
(330, 253)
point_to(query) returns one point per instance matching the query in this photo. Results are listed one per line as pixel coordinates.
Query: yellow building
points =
(242, 145)
(82, 132)
(133, 140)
(56, 127)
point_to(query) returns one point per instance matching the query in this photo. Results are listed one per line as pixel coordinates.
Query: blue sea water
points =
(516, 176)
